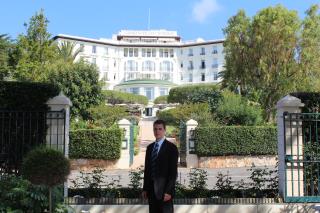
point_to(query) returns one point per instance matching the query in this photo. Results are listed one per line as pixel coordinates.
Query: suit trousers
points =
(159, 206)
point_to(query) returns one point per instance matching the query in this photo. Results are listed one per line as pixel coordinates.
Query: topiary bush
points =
(235, 110)
(161, 99)
(193, 94)
(117, 97)
(105, 116)
(235, 140)
(96, 143)
(46, 166)
(199, 112)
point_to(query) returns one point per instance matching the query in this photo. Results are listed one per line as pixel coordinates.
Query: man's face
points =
(158, 131)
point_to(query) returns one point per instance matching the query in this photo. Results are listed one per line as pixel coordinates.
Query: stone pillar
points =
(191, 158)
(58, 129)
(289, 136)
(124, 161)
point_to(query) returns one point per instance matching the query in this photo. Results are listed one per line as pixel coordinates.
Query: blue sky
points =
(102, 18)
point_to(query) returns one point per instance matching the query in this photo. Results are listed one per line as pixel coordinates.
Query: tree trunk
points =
(50, 199)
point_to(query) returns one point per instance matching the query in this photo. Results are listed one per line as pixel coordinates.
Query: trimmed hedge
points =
(26, 95)
(105, 116)
(194, 94)
(235, 140)
(199, 112)
(161, 99)
(116, 97)
(96, 143)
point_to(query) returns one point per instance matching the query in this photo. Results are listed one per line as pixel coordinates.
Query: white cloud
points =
(203, 9)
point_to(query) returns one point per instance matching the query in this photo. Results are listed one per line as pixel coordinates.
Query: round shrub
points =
(161, 99)
(45, 166)
(235, 110)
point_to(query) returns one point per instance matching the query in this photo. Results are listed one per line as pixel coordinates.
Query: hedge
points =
(116, 97)
(161, 99)
(26, 95)
(194, 94)
(235, 140)
(96, 143)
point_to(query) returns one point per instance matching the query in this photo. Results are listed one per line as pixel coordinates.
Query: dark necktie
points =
(154, 156)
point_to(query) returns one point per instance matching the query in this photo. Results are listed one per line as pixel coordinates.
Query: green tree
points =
(266, 54)
(78, 81)
(5, 48)
(309, 50)
(67, 51)
(34, 51)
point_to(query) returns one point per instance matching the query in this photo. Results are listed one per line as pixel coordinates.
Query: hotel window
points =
(131, 66)
(215, 63)
(190, 77)
(125, 52)
(181, 65)
(154, 53)
(166, 66)
(94, 61)
(171, 53)
(105, 76)
(135, 90)
(181, 52)
(105, 65)
(149, 92)
(148, 66)
(190, 52)
(203, 64)
(203, 51)
(164, 53)
(203, 77)
(106, 51)
(215, 50)
(163, 91)
(215, 76)
(94, 49)
(181, 77)
(130, 52)
(190, 65)
(81, 47)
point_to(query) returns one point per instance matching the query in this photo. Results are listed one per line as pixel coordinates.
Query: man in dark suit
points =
(160, 172)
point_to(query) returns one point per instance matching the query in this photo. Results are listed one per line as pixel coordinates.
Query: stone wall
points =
(237, 161)
(90, 164)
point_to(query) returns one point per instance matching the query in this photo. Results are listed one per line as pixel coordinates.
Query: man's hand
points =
(144, 195)
(166, 197)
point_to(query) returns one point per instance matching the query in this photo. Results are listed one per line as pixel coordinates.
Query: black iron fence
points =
(182, 201)
(20, 131)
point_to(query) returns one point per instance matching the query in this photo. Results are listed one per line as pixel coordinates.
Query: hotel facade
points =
(150, 62)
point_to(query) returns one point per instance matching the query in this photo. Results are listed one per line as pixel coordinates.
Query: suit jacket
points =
(166, 170)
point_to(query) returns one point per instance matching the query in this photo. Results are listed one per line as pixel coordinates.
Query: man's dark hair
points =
(159, 121)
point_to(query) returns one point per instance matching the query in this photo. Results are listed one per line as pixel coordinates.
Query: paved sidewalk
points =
(145, 138)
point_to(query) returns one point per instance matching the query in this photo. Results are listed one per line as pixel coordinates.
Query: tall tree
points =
(34, 51)
(310, 50)
(267, 55)
(78, 81)
(5, 48)
(236, 48)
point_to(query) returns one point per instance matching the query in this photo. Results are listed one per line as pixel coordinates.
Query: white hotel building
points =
(151, 62)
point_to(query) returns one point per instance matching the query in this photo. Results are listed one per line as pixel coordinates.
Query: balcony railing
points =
(190, 68)
(190, 54)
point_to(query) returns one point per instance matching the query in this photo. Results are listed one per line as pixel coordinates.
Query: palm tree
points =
(67, 52)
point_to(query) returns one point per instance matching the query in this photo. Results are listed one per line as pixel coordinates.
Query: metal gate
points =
(131, 143)
(302, 157)
(20, 131)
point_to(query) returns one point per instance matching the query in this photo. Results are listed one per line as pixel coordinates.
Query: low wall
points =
(237, 161)
(250, 208)
(89, 164)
